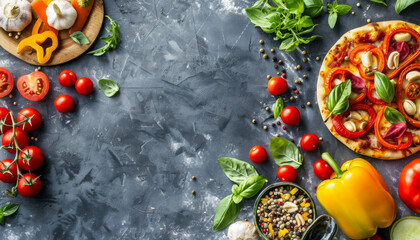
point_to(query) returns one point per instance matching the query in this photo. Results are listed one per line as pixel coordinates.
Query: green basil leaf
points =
(287, 43)
(79, 38)
(226, 213)
(384, 87)
(237, 198)
(235, 189)
(338, 98)
(258, 3)
(332, 19)
(295, 6)
(9, 209)
(2, 220)
(379, 1)
(343, 9)
(109, 87)
(111, 41)
(278, 107)
(308, 40)
(304, 22)
(313, 8)
(403, 4)
(284, 152)
(393, 116)
(258, 17)
(236, 170)
(251, 186)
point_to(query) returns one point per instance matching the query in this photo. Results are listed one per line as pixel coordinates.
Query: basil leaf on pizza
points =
(393, 116)
(384, 87)
(338, 98)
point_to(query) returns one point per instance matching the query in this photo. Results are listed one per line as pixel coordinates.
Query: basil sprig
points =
(236, 170)
(278, 107)
(384, 87)
(226, 213)
(393, 116)
(336, 9)
(403, 4)
(7, 210)
(338, 98)
(284, 152)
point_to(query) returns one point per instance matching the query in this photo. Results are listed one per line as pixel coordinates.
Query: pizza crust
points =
(357, 145)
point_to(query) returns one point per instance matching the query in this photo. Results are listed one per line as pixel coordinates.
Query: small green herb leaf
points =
(332, 19)
(109, 87)
(403, 4)
(384, 87)
(112, 40)
(278, 107)
(313, 8)
(226, 213)
(79, 38)
(237, 198)
(9, 209)
(258, 3)
(284, 152)
(343, 9)
(236, 170)
(258, 17)
(235, 189)
(295, 6)
(379, 1)
(251, 186)
(2, 220)
(338, 98)
(393, 116)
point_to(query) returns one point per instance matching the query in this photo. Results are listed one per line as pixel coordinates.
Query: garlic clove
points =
(409, 107)
(362, 125)
(402, 37)
(412, 76)
(354, 115)
(337, 82)
(290, 207)
(393, 60)
(350, 125)
(367, 59)
(242, 230)
(353, 95)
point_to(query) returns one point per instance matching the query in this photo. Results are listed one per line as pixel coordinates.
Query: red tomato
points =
(322, 169)
(64, 103)
(287, 173)
(29, 185)
(258, 154)
(67, 78)
(277, 86)
(36, 119)
(31, 158)
(376, 237)
(409, 185)
(6, 82)
(8, 177)
(33, 86)
(290, 115)
(309, 142)
(5, 116)
(21, 137)
(84, 86)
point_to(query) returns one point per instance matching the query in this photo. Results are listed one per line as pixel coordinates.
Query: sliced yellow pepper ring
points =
(37, 26)
(35, 42)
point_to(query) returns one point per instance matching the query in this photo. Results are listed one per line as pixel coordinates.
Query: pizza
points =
(369, 89)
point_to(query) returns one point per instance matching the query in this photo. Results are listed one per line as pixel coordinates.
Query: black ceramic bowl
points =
(270, 187)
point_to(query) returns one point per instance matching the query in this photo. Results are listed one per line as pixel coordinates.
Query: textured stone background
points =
(191, 81)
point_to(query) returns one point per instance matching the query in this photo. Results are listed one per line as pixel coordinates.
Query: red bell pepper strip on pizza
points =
(342, 130)
(83, 12)
(400, 91)
(356, 60)
(373, 99)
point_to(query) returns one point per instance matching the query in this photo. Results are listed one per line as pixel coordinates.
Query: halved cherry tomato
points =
(339, 126)
(5, 116)
(412, 91)
(64, 103)
(356, 60)
(309, 142)
(6, 82)
(11, 176)
(67, 78)
(21, 137)
(322, 169)
(33, 86)
(36, 119)
(31, 158)
(342, 74)
(287, 173)
(371, 88)
(84, 86)
(277, 86)
(29, 185)
(290, 115)
(258, 154)
(400, 91)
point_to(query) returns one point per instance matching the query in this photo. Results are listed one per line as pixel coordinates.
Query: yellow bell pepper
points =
(35, 42)
(357, 198)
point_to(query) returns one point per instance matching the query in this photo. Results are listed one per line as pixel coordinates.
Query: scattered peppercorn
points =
(265, 56)
(304, 52)
(283, 70)
(261, 42)
(292, 98)
(302, 106)
(193, 178)
(278, 122)
(320, 139)
(298, 66)
(36, 139)
(276, 66)
(274, 59)
(280, 62)
(274, 125)
(297, 81)
(262, 50)
(15, 103)
(315, 187)
(283, 74)
(254, 121)
(10, 96)
(358, 4)
(297, 91)
(278, 73)
(305, 76)
(304, 59)
(193, 192)
(352, 13)
(277, 135)
(32, 138)
(272, 50)
(308, 68)
(267, 109)
(368, 21)
(317, 58)
(265, 127)
(308, 103)
(284, 127)
(268, 76)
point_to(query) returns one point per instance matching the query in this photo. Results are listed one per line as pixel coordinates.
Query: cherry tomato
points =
(375, 237)
(258, 154)
(287, 173)
(67, 78)
(31, 158)
(290, 115)
(84, 86)
(29, 185)
(64, 103)
(33, 86)
(36, 119)
(21, 137)
(5, 116)
(6, 82)
(277, 86)
(412, 91)
(322, 169)
(309, 142)
(8, 177)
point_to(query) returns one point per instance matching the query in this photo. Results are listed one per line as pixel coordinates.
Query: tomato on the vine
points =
(64, 103)
(5, 116)
(6, 82)
(33, 86)
(36, 119)
(11, 176)
(67, 78)
(309, 142)
(277, 86)
(322, 169)
(258, 154)
(29, 185)
(21, 138)
(84, 86)
(287, 173)
(290, 115)
(31, 158)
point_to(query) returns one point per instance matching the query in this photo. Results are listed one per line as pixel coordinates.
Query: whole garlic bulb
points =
(242, 230)
(15, 15)
(61, 14)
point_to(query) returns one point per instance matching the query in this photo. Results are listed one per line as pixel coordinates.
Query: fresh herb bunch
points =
(336, 9)
(112, 41)
(289, 20)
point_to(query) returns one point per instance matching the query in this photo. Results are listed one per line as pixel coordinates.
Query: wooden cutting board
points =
(67, 49)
